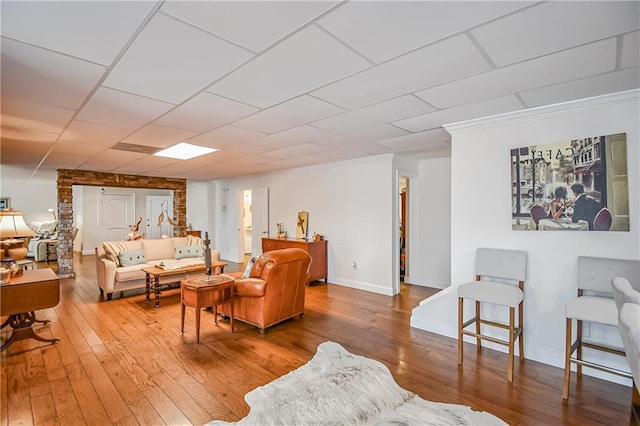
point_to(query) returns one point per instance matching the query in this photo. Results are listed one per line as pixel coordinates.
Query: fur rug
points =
(339, 388)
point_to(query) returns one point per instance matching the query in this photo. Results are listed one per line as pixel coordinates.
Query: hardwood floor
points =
(124, 362)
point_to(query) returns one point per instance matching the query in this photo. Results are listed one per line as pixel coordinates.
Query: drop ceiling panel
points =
(291, 68)
(136, 169)
(248, 160)
(289, 114)
(570, 64)
(110, 159)
(436, 64)
(240, 150)
(593, 86)
(305, 160)
(29, 115)
(479, 109)
(295, 151)
(252, 24)
(630, 50)
(114, 108)
(225, 136)
(171, 60)
(294, 136)
(69, 155)
(95, 134)
(158, 136)
(9, 132)
(174, 169)
(21, 152)
(373, 115)
(356, 150)
(92, 30)
(204, 112)
(145, 165)
(383, 30)
(506, 42)
(42, 76)
(364, 136)
(422, 139)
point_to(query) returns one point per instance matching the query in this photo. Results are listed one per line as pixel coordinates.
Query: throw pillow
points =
(194, 241)
(189, 251)
(130, 258)
(112, 249)
(247, 270)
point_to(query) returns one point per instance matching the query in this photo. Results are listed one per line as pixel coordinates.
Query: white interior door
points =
(117, 214)
(259, 219)
(159, 212)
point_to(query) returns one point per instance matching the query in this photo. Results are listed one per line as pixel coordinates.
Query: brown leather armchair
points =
(274, 290)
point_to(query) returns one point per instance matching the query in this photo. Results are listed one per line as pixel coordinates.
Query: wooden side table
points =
(154, 273)
(199, 293)
(33, 290)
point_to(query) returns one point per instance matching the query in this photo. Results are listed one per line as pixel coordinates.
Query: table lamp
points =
(12, 227)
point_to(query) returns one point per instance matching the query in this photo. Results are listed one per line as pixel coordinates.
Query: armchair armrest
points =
(250, 287)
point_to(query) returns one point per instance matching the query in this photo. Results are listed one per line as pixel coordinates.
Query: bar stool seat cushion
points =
(592, 308)
(491, 292)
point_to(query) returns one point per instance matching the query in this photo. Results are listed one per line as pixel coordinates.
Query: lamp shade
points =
(12, 225)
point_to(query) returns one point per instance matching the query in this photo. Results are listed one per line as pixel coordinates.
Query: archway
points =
(68, 178)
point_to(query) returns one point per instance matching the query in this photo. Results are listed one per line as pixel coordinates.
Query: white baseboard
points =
(362, 286)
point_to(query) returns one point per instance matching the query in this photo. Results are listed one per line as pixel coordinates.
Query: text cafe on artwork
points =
(574, 185)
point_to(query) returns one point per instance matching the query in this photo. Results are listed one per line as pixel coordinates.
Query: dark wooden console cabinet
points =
(316, 249)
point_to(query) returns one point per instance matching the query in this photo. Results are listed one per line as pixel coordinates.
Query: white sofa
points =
(119, 264)
(37, 247)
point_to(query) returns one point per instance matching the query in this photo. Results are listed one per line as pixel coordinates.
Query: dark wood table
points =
(154, 273)
(203, 292)
(22, 296)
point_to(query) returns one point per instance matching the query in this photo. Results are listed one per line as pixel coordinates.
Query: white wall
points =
(200, 206)
(350, 203)
(429, 257)
(481, 217)
(32, 196)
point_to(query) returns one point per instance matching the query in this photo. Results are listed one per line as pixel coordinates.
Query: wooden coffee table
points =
(205, 291)
(22, 296)
(154, 273)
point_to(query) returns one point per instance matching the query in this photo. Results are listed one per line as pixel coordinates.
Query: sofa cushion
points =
(157, 249)
(189, 251)
(113, 248)
(131, 273)
(130, 258)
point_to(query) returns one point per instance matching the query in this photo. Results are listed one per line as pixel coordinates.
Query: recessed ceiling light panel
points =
(185, 151)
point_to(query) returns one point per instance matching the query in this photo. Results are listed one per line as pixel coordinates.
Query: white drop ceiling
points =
(284, 84)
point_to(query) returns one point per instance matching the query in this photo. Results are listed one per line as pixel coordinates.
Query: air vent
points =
(142, 149)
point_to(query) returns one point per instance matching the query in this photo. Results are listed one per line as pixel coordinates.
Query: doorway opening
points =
(247, 218)
(403, 223)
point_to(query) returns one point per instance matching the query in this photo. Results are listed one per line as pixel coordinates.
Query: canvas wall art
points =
(573, 185)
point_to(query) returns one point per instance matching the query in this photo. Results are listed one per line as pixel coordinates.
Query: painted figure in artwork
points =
(302, 228)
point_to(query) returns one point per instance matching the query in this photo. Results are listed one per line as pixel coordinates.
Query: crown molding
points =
(537, 113)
